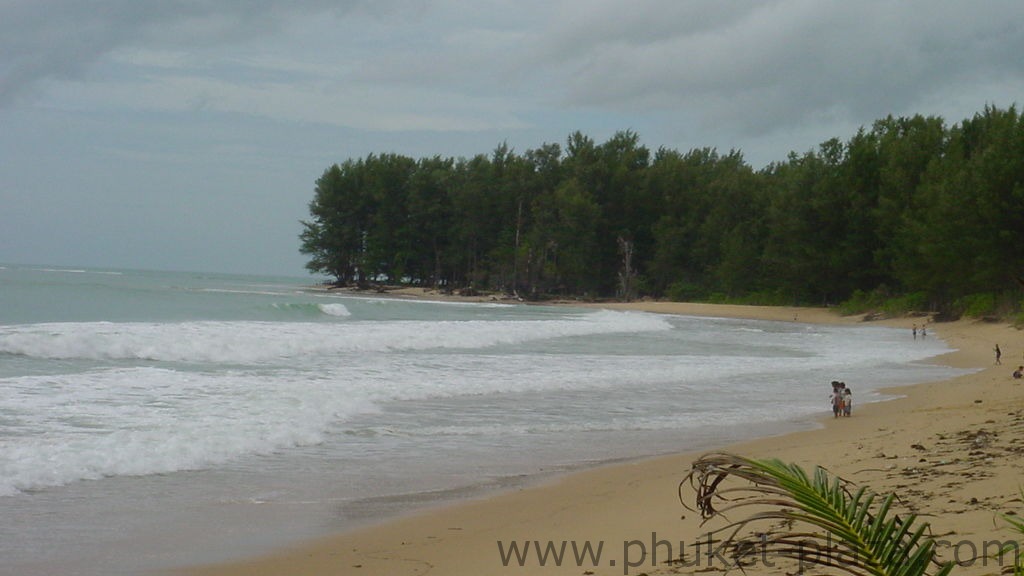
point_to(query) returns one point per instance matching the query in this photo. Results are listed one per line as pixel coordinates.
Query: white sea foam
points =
(249, 342)
(310, 309)
(269, 385)
(431, 303)
(129, 421)
(79, 271)
(334, 310)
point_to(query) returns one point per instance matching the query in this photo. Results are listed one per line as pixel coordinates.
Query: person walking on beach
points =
(999, 354)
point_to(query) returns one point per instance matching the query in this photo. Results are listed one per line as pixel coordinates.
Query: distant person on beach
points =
(1018, 373)
(999, 354)
(924, 332)
(914, 331)
(847, 401)
(837, 398)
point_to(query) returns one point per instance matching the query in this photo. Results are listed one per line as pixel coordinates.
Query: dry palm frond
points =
(825, 523)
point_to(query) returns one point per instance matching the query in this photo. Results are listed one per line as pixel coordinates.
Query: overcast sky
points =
(187, 134)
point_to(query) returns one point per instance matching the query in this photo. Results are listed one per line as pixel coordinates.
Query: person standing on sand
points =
(999, 354)
(847, 401)
(836, 399)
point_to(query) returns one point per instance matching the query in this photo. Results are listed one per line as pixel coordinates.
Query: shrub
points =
(977, 305)
(683, 291)
(913, 302)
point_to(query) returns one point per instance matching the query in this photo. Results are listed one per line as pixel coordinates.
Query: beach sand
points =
(951, 450)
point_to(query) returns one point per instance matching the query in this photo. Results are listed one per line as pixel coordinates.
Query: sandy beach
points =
(950, 449)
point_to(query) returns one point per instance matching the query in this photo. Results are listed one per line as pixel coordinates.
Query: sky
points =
(188, 134)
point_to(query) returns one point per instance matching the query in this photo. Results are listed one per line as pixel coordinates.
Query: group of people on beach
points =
(841, 399)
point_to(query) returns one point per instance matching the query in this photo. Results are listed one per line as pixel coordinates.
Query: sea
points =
(151, 420)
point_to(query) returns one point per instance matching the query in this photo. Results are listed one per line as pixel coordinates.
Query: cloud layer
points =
(437, 65)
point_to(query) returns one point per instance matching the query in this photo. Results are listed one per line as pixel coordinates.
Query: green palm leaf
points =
(1017, 525)
(824, 522)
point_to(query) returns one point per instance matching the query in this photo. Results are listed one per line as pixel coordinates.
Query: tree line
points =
(908, 208)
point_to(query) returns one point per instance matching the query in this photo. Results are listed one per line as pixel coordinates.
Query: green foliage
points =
(860, 302)
(1016, 525)
(977, 305)
(879, 300)
(797, 516)
(907, 303)
(908, 215)
(766, 298)
(760, 298)
(683, 291)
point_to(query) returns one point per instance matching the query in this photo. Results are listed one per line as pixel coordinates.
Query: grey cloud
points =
(757, 66)
(742, 67)
(61, 39)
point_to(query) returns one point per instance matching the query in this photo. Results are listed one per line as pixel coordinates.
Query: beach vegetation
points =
(1016, 525)
(759, 298)
(909, 214)
(861, 302)
(882, 301)
(913, 302)
(778, 511)
(683, 291)
(977, 305)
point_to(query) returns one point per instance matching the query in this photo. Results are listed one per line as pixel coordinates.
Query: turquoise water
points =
(153, 419)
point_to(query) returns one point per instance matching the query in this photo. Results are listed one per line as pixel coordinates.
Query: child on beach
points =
(847, 401)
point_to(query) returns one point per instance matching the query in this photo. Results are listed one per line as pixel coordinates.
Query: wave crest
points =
(243, 342)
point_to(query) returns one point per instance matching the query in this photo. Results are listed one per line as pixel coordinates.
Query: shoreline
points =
(908, 444)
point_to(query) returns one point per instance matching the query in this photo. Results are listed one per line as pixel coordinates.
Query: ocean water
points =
(155, 419)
